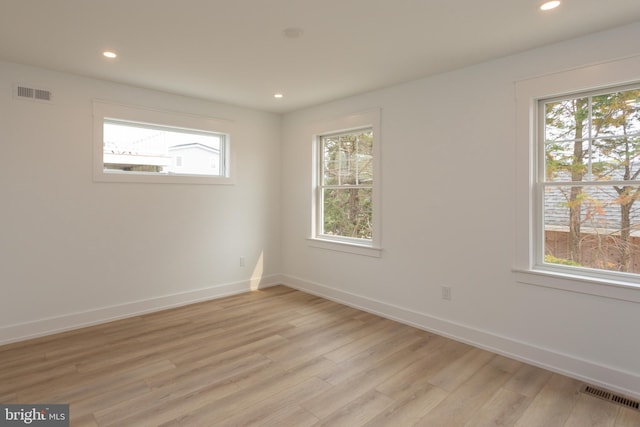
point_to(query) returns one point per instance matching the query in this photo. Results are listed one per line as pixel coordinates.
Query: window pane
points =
(348, 158)
(593, 226)
(616, 158)
(566, 160)
(365, 157)
(331, 160)
(133, 147)
(616, 114)
(566, 119)
(347, 212)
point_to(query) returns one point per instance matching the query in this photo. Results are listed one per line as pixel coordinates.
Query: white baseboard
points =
(615, 380)
(42, 327)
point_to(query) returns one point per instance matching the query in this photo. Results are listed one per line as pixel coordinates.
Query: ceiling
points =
(237, 52)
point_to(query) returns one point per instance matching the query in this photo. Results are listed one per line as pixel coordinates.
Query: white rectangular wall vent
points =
(29, 92)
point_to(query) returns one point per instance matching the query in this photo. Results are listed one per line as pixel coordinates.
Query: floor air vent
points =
(607, 395)
(28, 92)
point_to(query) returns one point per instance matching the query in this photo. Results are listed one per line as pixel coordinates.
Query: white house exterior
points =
(194, 159)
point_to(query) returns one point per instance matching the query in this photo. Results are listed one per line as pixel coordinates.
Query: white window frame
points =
(108, 110)
(528, 265)
(352, 122)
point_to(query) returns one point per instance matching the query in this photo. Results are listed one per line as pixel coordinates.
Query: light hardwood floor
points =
(280, 357)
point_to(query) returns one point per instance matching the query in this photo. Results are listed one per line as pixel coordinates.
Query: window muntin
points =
(588, 181)
(345, 189)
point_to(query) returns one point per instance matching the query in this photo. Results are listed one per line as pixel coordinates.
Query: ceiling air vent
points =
(28, 92)
(611, 397)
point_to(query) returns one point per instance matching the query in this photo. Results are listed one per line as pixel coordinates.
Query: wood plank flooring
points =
(280, 357)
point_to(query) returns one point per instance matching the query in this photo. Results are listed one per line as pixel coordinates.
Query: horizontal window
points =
(139, 145)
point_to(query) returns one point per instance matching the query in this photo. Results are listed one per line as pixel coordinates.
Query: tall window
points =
(589, 180)
(576, 179)
(346, 185)
(346, 208)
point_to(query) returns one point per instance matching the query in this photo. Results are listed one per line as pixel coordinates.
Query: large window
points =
(578, 180)
(133, 144)
(589, 180)
(346, 200)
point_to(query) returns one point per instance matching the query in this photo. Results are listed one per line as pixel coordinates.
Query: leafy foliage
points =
(562, 261)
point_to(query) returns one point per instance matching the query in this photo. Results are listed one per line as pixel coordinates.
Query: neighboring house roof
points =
(194, 145)
(600, 207)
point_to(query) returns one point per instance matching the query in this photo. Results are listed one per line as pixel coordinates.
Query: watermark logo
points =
(34, 415)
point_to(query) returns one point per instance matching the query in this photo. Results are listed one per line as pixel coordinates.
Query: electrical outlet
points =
(242, 261)
(446, 293)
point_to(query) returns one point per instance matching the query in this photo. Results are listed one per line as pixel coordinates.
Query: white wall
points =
(448, 146)
(74, 251)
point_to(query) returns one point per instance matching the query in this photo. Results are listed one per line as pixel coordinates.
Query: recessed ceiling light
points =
(109, 54)
(292, 32)
(550, 5)
(278, 95)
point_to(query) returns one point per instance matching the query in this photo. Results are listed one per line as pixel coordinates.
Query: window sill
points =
(585, 285)
(348, 247)
(151, 178)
